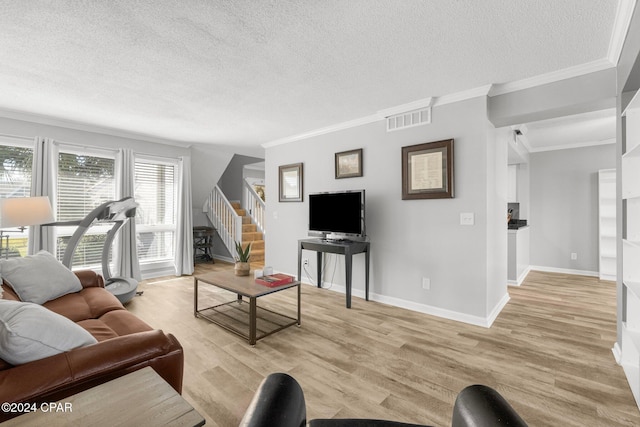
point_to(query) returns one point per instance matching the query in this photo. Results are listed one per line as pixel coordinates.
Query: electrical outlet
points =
(426, 283)
(305, 261)
(574, 256)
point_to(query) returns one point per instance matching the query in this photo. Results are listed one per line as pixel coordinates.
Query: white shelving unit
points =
(630, 358)
(607, 224)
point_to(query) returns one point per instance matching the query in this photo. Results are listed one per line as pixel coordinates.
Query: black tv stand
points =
(344, 247)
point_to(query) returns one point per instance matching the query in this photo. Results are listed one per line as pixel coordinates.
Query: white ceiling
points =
(250, 72)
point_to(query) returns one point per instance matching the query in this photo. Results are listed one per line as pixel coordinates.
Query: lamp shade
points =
(25, 211)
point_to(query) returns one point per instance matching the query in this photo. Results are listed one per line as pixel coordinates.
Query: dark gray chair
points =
(279, 401)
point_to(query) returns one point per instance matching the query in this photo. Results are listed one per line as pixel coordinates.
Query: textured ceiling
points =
(250, 72)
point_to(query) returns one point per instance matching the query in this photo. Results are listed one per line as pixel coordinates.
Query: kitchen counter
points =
(511, 230)
(516, 224)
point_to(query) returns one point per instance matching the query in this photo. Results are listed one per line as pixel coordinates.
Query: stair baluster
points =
(232, 224)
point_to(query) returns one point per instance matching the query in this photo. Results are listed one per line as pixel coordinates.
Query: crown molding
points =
(325, 130)
(552, 77)
(405, 108)
(85, 127)
(487, 90)
(382, 114)
(624, 13)
(462, 96)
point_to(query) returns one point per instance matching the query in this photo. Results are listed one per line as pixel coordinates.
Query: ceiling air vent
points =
(409, 119)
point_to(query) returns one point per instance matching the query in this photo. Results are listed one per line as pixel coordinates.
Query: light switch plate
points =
(467, 218)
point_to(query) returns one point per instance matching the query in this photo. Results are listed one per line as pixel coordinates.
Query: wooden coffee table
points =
(239, 316)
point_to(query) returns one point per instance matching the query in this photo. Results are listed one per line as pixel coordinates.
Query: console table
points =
(346, 248)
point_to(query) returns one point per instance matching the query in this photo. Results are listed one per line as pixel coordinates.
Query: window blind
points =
(15, 181)
(84, 182)
(15, 164)
(156, 216)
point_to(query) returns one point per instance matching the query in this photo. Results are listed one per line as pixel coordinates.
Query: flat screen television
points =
(337, 215)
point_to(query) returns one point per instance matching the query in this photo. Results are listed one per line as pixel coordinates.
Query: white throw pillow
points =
(39, 278)
(30, 332)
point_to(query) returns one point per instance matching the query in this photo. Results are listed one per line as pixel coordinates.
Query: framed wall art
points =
(427, 170)
(349, 164)
(290, 183)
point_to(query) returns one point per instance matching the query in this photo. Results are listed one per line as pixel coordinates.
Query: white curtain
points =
(183, 245)
(126, 253)
(43, 183)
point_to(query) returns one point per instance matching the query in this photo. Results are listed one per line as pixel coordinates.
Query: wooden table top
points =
(141, 398)
(243, 285)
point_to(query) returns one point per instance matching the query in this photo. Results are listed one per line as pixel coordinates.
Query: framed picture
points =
(349, 164)
(427, 171)
(290, 183)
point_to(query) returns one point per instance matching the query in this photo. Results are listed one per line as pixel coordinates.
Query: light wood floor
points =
(548, 353)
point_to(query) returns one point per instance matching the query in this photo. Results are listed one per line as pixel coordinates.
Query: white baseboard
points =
(520, 279)
(224, 258)
(565, 271)
(158, 272)
(485, 322)
(617, 353)
(497, 309)
(431, 310)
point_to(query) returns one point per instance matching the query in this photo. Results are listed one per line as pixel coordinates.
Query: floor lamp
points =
(22, 212)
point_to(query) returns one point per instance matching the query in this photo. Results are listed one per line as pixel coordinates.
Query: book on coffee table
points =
(274, 280)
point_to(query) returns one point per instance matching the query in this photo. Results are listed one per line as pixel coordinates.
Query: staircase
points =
(234, 224)
(251, 235)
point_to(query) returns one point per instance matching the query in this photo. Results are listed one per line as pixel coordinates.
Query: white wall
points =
(100, 140)
(410, 239)
(208, 163)
(564, 207)
(497, 182)
(580, 94)
(523, 172)
(90, 139)
(207, 166)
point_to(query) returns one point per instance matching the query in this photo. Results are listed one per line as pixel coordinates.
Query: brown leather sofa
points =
(125, 344)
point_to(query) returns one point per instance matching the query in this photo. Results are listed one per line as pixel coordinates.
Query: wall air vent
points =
(409, 119)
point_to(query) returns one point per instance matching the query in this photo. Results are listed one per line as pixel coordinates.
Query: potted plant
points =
(242, 259)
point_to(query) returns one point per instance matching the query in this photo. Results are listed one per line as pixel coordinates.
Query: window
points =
(155, 191)
(16, 158)
(85, 181)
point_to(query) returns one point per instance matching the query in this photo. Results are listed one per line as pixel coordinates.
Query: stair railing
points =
(255, 207)
(224, 218)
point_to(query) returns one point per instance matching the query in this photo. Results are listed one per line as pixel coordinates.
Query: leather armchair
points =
(279, 401)
(481, 406)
